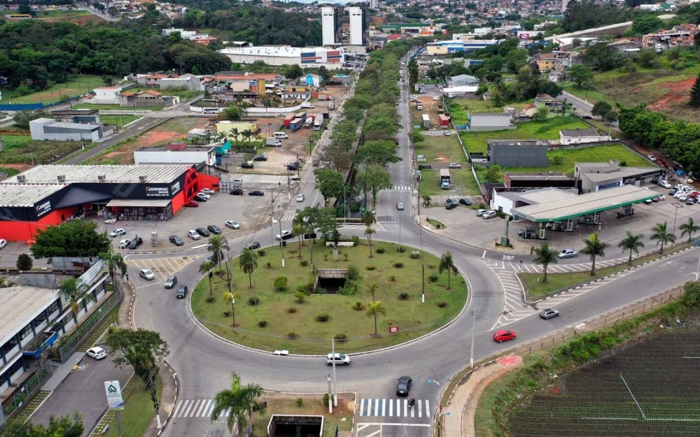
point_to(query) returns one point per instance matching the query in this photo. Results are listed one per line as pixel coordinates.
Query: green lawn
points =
(138, 409)
(411, 316)
(116, 107)
(441, 149)
(75, 86)
(61, 14)
(118, 120)
(463, 183)
(12, 142)
(476, 142)
(21, 149)
(312, 405)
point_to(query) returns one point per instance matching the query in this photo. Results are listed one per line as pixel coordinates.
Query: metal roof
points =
(130, 174)
(623, 172)
(19, 305)
(145, 203)
(584, 204)
(26, 195)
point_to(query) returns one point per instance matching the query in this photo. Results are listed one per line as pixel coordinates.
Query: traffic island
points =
(365, 303)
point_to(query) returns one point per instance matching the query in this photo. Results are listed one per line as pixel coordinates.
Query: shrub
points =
(401, 249)
(300, 296)
(300, 402)
(262, 252)
(227, 313)
(292, 310)
(442, 304)
(211, 299)
(358, 306)
(355, 240)
(345, 256)
(325, 257)
(392, 278)
(415, 255)
(325, 399)
(292, 336)
(24, 262)
(349, 289)
(303, 288)
(433, 277)
(341, 338)
(379, 250)
(269, 265)
(281, 283)
(398, 264)
(370, 268)
(303, 263)
(353, 273)
(404, 296)
(323, 318)
(253, 301)
(262, 323)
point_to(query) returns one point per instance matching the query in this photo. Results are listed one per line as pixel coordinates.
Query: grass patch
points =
(441, 149)
(138, 409)
(476, 142)
(463, 183)
(75, 86)
(20, 149)
(312, 405)
(11, 142)
(413, 317)
(536, 289)
(118, 120)
(436, 224)
(62, 14)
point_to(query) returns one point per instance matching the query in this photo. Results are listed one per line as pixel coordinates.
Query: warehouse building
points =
(43, 129)
(286, 55)
(178, 153)
(596, 176)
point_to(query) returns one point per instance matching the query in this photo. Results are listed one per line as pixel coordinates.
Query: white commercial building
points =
(187, 155)
(286, 55)
(328, 25)
(43, 129)
(355, 14)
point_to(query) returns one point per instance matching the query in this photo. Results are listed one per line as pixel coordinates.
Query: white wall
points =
(355, 26)
(328, 25)
(171, 157)
(499, 201)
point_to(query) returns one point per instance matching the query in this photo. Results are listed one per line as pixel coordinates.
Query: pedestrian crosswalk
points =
(402, 188)
(561, 268)
(375, 226)
(393, 408)
(196, 408)
(161, 267)
(288, 216)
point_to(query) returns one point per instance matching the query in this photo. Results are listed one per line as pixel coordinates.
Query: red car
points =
(503, 335)
(192, 204)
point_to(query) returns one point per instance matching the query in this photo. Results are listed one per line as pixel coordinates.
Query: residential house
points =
(146, 98)
(549, 102)
(581, 136)
(520, 115)
(564, 60)
(152, 80)
(683, 34)
(556, 76)
(628, 47)
(545, 61)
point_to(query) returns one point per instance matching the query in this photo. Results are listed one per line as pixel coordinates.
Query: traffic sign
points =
(114, 395)
(393, 329)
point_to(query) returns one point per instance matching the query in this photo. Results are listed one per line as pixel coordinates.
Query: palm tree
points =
(594, 247)
(114, 262)
(217, 244)
(545, 256)
(247, 134)
(368, 233)
(247, 262)
(372, 288)
(299, 230)
(234, 134)
(689, 229)
(446, 263)
(368, 218)
(632, 243)
(374, 309)
(74, 291)
(661, 234)
(241, 401)
(230, 298)
(204, 269)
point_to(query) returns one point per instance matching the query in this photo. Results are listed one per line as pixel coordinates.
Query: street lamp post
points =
(281, 240)
(471, 354)
(675, 216)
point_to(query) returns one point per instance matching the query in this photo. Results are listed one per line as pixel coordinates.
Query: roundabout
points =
(296, 309)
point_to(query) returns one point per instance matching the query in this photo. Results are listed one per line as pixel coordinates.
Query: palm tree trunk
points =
(630, 260)
(250, 280)
(544, 267)
(233, 315)
(662, 248)
(369, 239)
(448, 279)
(593, 267)
(300, 246)
(375, 325)
(211, 294)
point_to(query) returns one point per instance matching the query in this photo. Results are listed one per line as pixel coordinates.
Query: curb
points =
(584, 284)
(177, 395)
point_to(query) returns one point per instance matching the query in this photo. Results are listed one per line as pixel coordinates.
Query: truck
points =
(426, 121)
(296, 124)
(309, 121)
(273, 142)
(318, 123)
(444, 121)
(440, 109)
(288, 119)
(419, 106)
(445, 183)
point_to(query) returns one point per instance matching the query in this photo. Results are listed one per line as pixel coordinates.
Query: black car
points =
(260, 158)
(214, 229)
(236, 192)
(451, 204)
(254, 245)
(247, 165)
(200, 198)
(181, 292)
(136, 242)
(465, 201)
(256, 193)
(403, 386)
(176, 240)
(203, 232)
(293, 166)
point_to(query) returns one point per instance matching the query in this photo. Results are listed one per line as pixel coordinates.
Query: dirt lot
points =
(429, 107)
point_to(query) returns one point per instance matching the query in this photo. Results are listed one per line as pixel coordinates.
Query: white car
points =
(193, 234)
(117, 232)
(232, 224)
(338, 358)
(683, 198)
(3, 243)
(123, 244)
(447, 133)
(481, 212)
(568, 253)
(205, 195)
(489, 214)
(399, 206)
(110, 221)
(652, 158)
(147, 274)
(285, 235)
(301, 198)
(307, 105)
(97, 353)
(665, 184)
(662, 197)
(455, 165)
(208, 191)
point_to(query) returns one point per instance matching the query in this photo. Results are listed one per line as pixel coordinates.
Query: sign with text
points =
(114, 395)
(393, 329)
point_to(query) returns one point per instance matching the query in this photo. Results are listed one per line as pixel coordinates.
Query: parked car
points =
(455, 165)
(123, 244)
(110, 221)
(176, 240)
(147, 274)
(691, 200)
(403, 386)
(171, 282)
(96, 352)
(465, 201)
(214, 229)
(285, 235)
(447, 133)
(247, 164)
(568, 253)
(652, 158)
(203, 232)
(301, 198)
(135, 242)
(191, 204)
(181, 292)
(294, 166)
(338, 358)
(503, 335)
(208, 191)
(683, 198)
(672, 191)
(252, 246)
(256, 193)
(260, 158)
(663, 197)
(201, 197)
(399, 206)
(193, 234)
(232, 224)
(664, 184)
(117, 232)
(451, 204)
(236, 192)
(548, 313)
(480, 212)
(489, 215)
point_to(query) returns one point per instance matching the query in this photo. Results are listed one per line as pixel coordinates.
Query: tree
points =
(541, 114)
(217, 244)
(695, 94)
(631, 242)
(447, 264)
(610, 117)
(580, 74)
(233, 112)
(545, 256)
(142, 349)
(63, 426)
(113, 262)
(427, 199)
(689, 228)
(601, 108)
(377, 152)
(75, 238)
(248, 263)
(24, 262)
(299, 230)
(647, 58)
(324, 74)
(240, 401)
(293, 72)
(230, 299)
(647, 24)
(330, 184)
(75, 292)
(205, 268)
(374, 309)
(372, 288)
(661, 235)
(378, 178)
(368, 233)
(595, 247)
(691, 294)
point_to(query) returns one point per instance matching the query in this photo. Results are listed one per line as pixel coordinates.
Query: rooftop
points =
(20, 304)
(187, 149)
(579, 133)
(518, 142)
(280, 51)
(490, 114)
(48, 174)
(538, 176)
(623, 172)
(25, 196)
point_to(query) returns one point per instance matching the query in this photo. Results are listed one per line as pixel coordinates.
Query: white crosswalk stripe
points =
(376, 226)
(402, 188)
(393, 408)
(288, 217)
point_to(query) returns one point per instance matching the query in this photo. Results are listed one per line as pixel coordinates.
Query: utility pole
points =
(471, 356)
(281, 240)
(335, 388)
(330, 395)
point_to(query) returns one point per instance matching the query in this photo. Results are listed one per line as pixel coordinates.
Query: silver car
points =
(399, 206)
(147, 274)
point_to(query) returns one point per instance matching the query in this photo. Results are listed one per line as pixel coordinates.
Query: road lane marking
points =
(483, 255)
(376, 407)
(177, 409)
(187, 411)
(427, 408)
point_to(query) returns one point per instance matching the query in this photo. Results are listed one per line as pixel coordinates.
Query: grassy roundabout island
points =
(270, 317)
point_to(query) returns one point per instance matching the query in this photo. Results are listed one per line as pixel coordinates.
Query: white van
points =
(281, 135)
